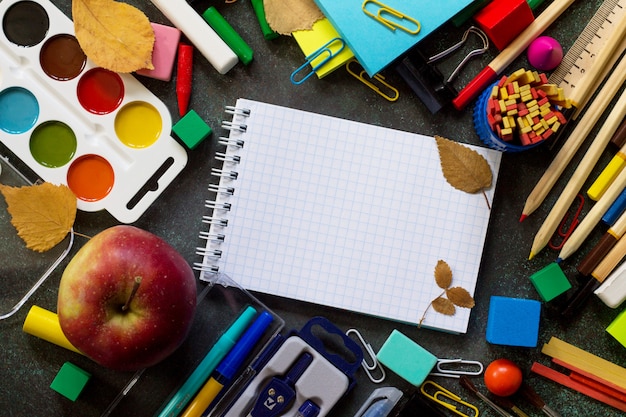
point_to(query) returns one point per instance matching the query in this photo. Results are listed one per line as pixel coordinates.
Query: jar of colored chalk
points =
(519, 112)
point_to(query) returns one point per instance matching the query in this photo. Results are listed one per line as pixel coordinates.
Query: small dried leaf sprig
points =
(456, 296)
(464, 168)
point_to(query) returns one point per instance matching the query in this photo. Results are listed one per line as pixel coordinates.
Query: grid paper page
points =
(347, 214)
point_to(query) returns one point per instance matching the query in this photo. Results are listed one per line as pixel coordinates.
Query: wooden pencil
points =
(610, 261)
(579, 177)
(591, 220)
(575, 139)
(604, 245)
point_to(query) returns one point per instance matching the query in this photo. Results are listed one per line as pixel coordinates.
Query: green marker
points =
(199, 376)
(228, 34)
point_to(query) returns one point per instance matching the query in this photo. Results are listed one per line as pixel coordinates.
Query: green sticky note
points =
(550, 282)
(406, 358)
(70, 381)
(617, 328)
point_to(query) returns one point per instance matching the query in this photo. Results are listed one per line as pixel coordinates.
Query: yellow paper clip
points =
(391, 24)
(453, 402)
(325, 53)
(369, 367)
(365, 79)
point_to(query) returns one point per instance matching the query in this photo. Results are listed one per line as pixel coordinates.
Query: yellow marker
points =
(203, 398)
(607, 176)
(45, 325)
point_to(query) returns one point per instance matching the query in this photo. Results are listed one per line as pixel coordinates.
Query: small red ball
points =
(503, 377)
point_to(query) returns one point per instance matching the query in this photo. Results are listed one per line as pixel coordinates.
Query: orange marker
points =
(184, 76)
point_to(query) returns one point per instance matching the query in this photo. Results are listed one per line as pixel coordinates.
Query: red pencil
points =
(184, 76)
(508, 54)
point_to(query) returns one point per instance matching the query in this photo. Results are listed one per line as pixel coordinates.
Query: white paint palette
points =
(101, 133)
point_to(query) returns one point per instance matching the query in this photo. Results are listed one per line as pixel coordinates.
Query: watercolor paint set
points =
(103, 134)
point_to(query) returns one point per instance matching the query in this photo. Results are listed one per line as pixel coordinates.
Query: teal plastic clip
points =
(325, 53)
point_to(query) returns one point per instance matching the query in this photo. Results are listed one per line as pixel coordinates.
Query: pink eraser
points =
(164, 53)
(545, 53)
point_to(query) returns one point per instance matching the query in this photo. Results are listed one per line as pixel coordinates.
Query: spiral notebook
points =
(341, 213)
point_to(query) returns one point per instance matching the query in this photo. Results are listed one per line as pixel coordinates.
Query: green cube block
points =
(617, 328)
(550, 282)
(70, 381)
(406, 358)
(191, 129)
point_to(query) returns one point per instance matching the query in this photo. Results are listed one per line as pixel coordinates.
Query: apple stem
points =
(132, 293)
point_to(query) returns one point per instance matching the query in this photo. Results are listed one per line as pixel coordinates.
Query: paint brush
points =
(532, 397)
(469, 385)
(508, 404)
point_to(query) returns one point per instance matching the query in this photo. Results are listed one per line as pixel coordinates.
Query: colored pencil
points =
(575, 139)
(579, 177)
(591, 220)
(604, 245)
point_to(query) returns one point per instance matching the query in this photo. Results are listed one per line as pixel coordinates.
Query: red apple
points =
(126, 299)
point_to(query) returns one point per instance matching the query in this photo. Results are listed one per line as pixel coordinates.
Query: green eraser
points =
(406, 358)
(617, 328)
(70, 381)
(191, 129)
(550, 282)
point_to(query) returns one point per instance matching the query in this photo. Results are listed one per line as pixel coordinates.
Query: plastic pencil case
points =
(146, 392)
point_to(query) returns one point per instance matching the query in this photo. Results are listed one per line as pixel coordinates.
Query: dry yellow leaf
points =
(42, 214)
(287, 16)
(464, 168)
(460, 297)
(443, 274)
(443, 306)
(114, 35)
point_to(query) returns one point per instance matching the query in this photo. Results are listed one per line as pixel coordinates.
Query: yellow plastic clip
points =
(365, 79)
(325, 53)
(447, 399)
(391, 24)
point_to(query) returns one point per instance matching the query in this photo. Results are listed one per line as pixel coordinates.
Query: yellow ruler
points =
(580, 56)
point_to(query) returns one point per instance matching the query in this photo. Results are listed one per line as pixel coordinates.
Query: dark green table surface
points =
(29, 364)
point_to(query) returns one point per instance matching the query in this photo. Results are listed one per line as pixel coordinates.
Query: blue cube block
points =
(406, 358)
(513, 321)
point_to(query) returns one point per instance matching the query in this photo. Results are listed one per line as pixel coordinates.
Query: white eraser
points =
(198, 31)
(612, 292)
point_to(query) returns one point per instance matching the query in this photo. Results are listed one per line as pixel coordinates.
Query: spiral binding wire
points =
(211, 253)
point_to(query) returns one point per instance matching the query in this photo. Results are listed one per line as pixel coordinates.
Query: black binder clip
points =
(427, 82)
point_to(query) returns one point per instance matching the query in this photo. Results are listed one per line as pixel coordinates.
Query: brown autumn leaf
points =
(460, 297)
(443, 274)
(43, 214)
(464, 168)
(114, 35)
(287, 16)
(444, 306)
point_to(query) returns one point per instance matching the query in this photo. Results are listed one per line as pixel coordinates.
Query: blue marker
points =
(226, 370)
(615, 210)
